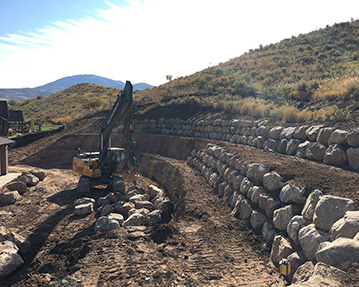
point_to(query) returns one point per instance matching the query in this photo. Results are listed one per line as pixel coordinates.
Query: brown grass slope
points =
(312, 77)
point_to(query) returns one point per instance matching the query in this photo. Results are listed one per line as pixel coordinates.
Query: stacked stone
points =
(13, 190)
(136, 208)
(322, 144)
(318, 227)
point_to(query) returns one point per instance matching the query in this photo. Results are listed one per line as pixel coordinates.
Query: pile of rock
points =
(319, 228)
(319, 143)
(135, 208)
(20, 185)
(13, 248)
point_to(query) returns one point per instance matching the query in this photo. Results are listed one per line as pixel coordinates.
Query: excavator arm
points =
(121, 113)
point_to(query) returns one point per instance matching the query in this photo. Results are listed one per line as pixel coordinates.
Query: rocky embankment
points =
(318, 234)
(319, 143)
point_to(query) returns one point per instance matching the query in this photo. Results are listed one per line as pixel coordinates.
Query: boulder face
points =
(337, 137)
(281, 248)
(335, 155)
(329, 209)
(353, 157)
(352, 138)
(19, 186)
(310, 204)
(310, 239)
(347, 226)
(9, 258)
(292, 194)
(282, 216)
(316, 151)
(272, 181)
(9, 197)
(340, 253)
(293, 227)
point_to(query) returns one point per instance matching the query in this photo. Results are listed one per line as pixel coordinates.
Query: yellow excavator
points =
(107, 166)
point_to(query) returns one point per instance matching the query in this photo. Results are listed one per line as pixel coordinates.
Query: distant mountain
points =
(67, 82)
(28, 93)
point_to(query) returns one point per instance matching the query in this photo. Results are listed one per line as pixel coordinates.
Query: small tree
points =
(169, 78)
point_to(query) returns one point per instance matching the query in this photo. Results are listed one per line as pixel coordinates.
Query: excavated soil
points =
(203, 245)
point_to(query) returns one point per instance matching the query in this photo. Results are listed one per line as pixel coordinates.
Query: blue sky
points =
(143, 41)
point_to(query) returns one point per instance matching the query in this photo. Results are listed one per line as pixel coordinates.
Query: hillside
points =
(308, 72)
(70, 104)
(312, 77)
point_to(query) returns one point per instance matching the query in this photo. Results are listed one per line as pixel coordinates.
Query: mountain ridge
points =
(58, 85)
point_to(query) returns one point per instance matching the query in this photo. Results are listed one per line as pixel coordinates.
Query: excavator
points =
(107, 166)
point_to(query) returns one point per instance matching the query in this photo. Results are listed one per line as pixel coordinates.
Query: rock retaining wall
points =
(299, 227)
(319, 143)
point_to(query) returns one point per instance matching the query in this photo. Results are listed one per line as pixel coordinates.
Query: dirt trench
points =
(203, 245)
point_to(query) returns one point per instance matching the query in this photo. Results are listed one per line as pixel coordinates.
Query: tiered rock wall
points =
(319, 228)
(323, 144)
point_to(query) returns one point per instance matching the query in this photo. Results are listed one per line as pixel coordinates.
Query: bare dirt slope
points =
(205, 247)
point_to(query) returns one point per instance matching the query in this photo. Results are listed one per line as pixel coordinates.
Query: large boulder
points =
(294, 225)
(9, 258)
(352, 138)
(329, 209)
(299, 133)
(257, 219)
(268, 232)
(254, 193)
(347, 226)
(303, 272)
(283, 215)
(9, 197)
(272, 181)
(282, 146)
(292, 146)
(310, 204)
(321, 275)
(84, 200)
(287, 133)
(245, 209)
(275, 132)
(302, 149)
(135, 220)
(337, 137)
(154, 191)
(296, 259)
(324, 135)
(116, 216)
(83, 209)
(154, 217)
(123, 207)
(268, 203)
(246, 184)
(291, 193)
(315, 151)
(104, 223)
(335, 155)
(340, 253)
(40, 174)
(19, 186)
(281, 248)
(353, 157)
(312, 132)
(310, 238)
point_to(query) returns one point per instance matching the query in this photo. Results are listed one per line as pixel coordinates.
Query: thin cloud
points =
(143, 41)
